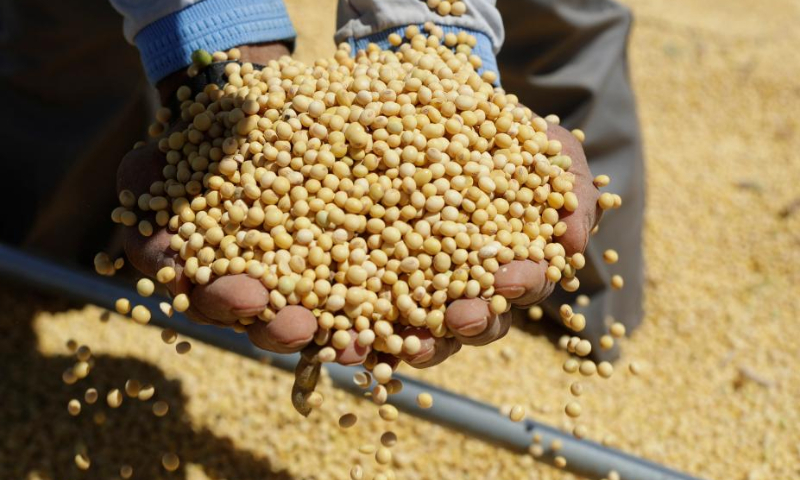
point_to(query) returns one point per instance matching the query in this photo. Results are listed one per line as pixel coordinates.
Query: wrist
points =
(259, 53)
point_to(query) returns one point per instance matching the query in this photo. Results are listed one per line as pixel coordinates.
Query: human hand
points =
(522, 282)
(224, 300)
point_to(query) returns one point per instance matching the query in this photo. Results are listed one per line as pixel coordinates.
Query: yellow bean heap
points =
(372, 190)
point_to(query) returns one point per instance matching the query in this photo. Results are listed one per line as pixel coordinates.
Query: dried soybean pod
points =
(306, 376)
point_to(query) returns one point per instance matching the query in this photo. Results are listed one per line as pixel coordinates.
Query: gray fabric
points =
(359, 18)
(569, 57)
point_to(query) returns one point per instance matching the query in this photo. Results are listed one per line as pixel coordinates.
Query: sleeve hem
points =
(166, 45)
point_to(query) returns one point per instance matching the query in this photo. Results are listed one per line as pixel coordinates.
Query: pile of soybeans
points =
(373, 190)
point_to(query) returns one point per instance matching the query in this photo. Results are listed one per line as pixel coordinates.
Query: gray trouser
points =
(569, 57)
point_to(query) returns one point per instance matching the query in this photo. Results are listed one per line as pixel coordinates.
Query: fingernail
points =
(421, 357)
(511, 292)
(247, 312)
(474, 328)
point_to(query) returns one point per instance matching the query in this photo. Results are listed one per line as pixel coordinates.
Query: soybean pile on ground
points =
(373, 190)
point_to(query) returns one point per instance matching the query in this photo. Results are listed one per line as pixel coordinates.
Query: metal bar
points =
(468, 416)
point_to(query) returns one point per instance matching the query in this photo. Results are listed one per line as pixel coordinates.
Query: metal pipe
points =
(480, 420)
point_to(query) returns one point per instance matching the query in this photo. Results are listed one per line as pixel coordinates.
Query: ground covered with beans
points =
(717, 393)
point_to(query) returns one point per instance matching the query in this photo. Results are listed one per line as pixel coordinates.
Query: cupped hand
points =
(224, 300)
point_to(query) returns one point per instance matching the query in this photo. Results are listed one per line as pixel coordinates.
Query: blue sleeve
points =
(166, 45)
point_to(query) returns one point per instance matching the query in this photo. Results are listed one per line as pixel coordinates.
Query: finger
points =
(433, 350)
(473, 323)
(150, 254)
(140, 168)
(353, 353)
(136, 173)
(523, 282)
(231, 297)
(291, 330)
(581, 221)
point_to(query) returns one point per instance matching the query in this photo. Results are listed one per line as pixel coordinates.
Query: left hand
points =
(522, 282)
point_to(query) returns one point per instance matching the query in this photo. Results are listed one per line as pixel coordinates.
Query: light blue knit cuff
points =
(483, 48)
(166, 45)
